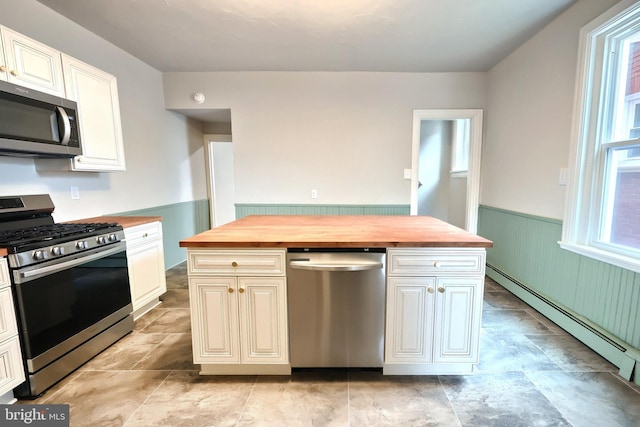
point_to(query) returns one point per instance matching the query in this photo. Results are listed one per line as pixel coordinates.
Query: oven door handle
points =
(28, 275)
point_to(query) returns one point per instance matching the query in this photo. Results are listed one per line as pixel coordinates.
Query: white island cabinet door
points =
(263, 319)
(96, 93)
(214, 319)
(458, 314)
(32, 64)
(410, 303)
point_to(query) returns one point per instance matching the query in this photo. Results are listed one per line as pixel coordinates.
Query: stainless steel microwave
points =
(36, 124)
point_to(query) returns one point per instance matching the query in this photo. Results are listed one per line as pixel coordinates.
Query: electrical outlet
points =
(562, 176)
(314, 193)
(75, 193)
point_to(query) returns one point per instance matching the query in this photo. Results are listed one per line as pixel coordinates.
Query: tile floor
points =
(531, 373)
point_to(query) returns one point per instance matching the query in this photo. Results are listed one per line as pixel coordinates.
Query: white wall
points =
(529, 113)
(164, 151)
(348, 135)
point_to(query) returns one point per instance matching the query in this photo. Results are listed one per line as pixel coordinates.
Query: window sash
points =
(593, 136)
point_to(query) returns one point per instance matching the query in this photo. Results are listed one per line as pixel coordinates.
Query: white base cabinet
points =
(145, 258)
(11, 369)
(239, 311)
(434, 308)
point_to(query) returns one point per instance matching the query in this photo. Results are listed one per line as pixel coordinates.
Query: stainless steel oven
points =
(70, 285)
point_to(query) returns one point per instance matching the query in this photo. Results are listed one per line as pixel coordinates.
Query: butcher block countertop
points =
(124, 221)
(341, 231)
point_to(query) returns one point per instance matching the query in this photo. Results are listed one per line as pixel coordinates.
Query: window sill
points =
(459, 174)
(622, 261)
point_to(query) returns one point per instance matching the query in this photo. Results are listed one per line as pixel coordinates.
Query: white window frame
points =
(460, 148)
(583, 211)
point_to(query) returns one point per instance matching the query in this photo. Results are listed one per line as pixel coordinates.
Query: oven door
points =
(64, 302)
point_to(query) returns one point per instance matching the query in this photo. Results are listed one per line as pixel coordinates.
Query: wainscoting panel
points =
(598, 296)
(179, 221)
(245, 209)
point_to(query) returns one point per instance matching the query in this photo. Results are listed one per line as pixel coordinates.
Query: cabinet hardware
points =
(230, 290)
(241, 290)
(437, 264)
(234, 264)
(441, 289)
(14, 73)
(3, 68)
(430, 289)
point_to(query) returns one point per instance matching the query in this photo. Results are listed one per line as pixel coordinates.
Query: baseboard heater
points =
(624, 358)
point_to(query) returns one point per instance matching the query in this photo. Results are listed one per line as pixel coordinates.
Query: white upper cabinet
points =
(29, 63)
(96, 93)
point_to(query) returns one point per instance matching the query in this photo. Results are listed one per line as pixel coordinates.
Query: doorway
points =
(220, 179)
(439, 186)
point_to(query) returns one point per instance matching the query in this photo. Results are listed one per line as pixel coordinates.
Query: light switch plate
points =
(562, 176)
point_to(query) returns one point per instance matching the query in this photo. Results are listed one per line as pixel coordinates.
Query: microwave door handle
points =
(66, 135)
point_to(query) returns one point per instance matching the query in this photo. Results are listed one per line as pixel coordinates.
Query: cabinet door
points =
(11, 369)
(4, 70)
(96, 93)
(4, 273)
(214, 319)
(8, 326)
(457, 320)
(410, 311)
(263, 319)
(145, 255)
(32, 64)
(146, 273)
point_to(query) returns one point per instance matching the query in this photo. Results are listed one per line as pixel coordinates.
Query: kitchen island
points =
(238, 286)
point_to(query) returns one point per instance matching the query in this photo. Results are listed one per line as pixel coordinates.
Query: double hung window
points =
(602, 218)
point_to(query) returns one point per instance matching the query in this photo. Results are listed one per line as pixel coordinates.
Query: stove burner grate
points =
(44, 233)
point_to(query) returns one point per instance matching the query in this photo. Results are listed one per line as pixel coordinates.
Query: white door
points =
(472, 181)
(221, 182)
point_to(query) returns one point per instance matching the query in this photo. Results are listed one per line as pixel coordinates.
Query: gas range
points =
(70, 287)
(30, 235)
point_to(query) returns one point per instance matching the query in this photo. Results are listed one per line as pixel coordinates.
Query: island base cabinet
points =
(433, 321)
(239, 325)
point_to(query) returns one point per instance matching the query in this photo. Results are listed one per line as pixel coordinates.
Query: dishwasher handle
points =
(335, 266)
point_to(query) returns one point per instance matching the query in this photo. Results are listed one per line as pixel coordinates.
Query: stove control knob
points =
(57, 251)
(81, 244)
(38, 255)
(113, 237)
(101, 240)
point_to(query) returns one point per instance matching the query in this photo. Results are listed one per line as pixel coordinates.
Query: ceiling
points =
(314, 35)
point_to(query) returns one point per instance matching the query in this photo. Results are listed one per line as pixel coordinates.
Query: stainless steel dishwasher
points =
(336, 302)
